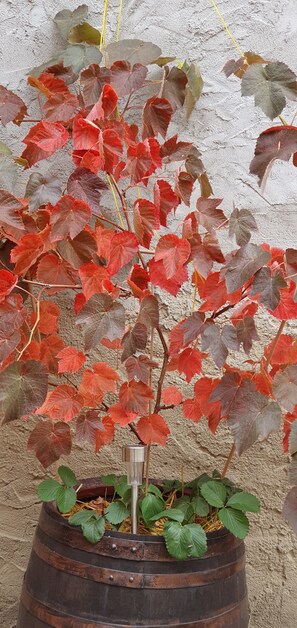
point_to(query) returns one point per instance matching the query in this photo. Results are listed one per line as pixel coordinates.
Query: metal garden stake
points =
(135, 456)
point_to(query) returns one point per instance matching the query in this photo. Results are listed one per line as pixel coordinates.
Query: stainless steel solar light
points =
(135, 456)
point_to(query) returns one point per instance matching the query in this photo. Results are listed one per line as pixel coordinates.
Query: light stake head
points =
(135, 456)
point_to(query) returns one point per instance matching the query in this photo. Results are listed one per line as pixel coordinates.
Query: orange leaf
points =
(61, 404)
(92, 278)
(106, 376)
(172, 396)
(134, 396)
(90, 388)
(49, 348)
(105, 437)
(26, 252)
(153, 429)
(7, 283)
(119, 415)
(43, 140)
(70, 360)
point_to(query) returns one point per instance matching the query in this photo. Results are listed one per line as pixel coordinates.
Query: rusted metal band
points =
(54, 619)
(135, 580)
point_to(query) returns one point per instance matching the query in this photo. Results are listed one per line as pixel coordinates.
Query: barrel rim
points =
(92, 484)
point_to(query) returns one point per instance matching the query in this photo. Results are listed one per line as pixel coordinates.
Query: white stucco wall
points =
(224, 127)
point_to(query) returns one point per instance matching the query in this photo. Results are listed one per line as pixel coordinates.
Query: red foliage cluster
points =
(151, 238)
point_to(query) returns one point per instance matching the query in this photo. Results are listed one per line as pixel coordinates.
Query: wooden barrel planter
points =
(129, 580)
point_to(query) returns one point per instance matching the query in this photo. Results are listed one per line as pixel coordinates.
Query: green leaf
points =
(185, 541)
(80, 517)
(200, 506)
(121, 486)
(67, 476)
(154, 490)
(171, 485)
(116, 512)
(79, 56)
(84, 33)
(151, 505)
(161, 61)
(244, 501)
(65, 20)
(133, 50)
(170, 513)
(270, 85)
(48, 490)
(94, 528)
(198, 540)
(5, 150)
(183, 504)
(109, 480)
(66, 498)
(214, 492)
(23, 388)
(194, 87)
(235, 521)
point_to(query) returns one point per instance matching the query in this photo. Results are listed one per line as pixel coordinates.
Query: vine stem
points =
(52, 285)
(271, 352)
(33, 328)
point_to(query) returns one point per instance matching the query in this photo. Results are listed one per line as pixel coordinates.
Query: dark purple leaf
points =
(87, 187)
(23, 388)
(285, 387)
(243, 265)
(241, 223)
(103, 318)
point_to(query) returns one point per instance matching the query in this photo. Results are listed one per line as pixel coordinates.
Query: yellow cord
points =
(225, 25)
(115, 201)
(104, 22)
(119, 20)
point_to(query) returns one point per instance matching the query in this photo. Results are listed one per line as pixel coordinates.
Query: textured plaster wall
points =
(224, 128)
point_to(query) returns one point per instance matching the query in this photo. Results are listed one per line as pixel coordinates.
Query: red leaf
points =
(49, 316)
(48, 84)
(165, 199)
(214, 293)
(171, 396)
(90, 389)
(126, 78)
(120, 416)
(186, 331)
(209, 215)
(70, 360)
(92, 80)
(184, 187)
(85, 134)
(62, 404)
(87, 187)
(92, 278)
(105, 106)
(103, 317)
(7, 283)
(10, 210)
(49, 349)
(26, 252)
(53, 270)
(290, 417)
(68, 217)
(285, 351)
(174, 253)
(60, 108)
(153, 429)
(12, 107)
(156, 116)
(138, 367)
(158, 277)
(278, 142)
(123, 247)
(110, 149)
(287, 307)
(106, 437)
(143, 159)
(138, 280)
(195, 409)
(50, 442)
(135, 396)
(87, 425)
(246, 309)
(12, 315)
(106, 376)
(43, 140)
(190, 363)
(172, 150)
(146, 220)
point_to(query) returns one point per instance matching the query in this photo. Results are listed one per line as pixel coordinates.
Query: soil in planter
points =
(210, 523)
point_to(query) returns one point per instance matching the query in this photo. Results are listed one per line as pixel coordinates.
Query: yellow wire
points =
(225, 25)
(119, 20)
(104, 21)
(115, 201)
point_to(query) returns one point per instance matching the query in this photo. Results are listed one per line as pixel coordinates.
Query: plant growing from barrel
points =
(157, 234)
